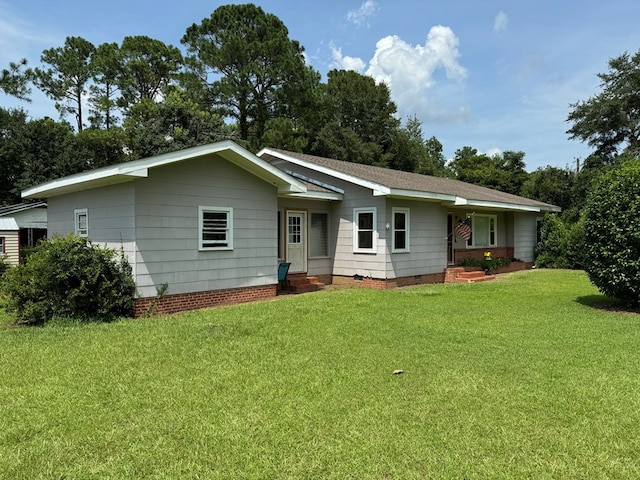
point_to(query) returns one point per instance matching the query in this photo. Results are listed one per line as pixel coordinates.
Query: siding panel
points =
(167, 231)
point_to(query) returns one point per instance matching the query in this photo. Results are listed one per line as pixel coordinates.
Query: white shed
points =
(10, 240)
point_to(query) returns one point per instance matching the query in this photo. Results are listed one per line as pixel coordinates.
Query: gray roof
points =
(7, 210)
(407, 181)
(8, 223)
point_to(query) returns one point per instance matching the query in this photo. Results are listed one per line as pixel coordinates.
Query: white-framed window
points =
(215, 228)
(364, 230)
(483, 230)
(400, 229)
(81, 222)
(319, 235)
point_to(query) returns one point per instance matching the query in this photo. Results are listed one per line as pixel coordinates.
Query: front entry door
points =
(297, 240)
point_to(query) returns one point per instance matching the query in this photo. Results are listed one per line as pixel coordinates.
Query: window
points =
(483, 231)
(400, 229)
(215, 226)
(319, 235)
(2, 245)
(81, 222)
(364, 232)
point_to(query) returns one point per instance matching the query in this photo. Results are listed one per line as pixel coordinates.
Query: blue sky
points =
(493, 75)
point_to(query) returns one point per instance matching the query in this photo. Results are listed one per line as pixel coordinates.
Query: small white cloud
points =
(360, 16)
(500, 23)
(493, 152)
(341, 62)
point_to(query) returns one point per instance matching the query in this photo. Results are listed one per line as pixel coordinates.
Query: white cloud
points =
(410, 71)
(360, 16)
(492, 152)
(345, 62)
(501, 21)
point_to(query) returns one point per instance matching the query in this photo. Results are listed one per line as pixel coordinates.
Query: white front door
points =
(296, 252)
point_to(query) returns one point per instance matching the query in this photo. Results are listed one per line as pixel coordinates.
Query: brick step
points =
(471, 275)
(467, 275)
(300, 283)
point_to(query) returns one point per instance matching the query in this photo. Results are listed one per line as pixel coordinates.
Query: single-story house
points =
(31, 218)
(9, 241)
(213, 222)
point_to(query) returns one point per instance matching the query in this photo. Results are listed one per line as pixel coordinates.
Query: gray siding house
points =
(213, 222)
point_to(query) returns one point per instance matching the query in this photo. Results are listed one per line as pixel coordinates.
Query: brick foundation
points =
(462, 254)
(192, 301)
(513, 267)
(382, 284)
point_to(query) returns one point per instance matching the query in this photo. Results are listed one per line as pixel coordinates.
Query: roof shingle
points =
(397, 179)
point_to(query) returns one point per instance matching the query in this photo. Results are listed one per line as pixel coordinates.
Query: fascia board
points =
(429, 196)
(502, 206)
(128, 171)
(318, 196)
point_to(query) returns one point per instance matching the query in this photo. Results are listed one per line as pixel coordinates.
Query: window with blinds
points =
(215, 227)
(319, 235)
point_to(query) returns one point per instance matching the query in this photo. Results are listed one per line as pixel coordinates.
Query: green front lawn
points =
(517, 378)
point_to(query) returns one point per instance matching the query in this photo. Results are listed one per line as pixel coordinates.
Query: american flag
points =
(463, 229)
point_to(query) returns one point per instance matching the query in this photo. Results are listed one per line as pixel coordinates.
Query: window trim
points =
(356, 230)
(77, 213)
(311, 214)
(3, 245)
(473, 216)
(229, 228)
(407, 229)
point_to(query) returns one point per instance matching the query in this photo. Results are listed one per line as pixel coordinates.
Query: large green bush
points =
(612, 234)
(561, 244)
(70, 277)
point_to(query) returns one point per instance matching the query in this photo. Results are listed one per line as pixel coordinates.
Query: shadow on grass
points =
(602, 302)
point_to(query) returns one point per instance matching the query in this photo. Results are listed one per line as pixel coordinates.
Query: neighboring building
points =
(31, 218)
(213, 222)
(9, 241)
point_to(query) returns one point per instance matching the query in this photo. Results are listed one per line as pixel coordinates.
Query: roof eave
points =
(417, 195)
(129, 171)
(460, 202)
(318, 196)
(71, 184)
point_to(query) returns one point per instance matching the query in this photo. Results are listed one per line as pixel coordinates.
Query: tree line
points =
(241, 77)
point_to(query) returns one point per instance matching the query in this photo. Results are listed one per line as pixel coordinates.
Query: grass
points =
(518, 378)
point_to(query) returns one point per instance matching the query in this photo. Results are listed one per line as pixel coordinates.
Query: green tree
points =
(107, 68)
(66, 78)
(610, 120)
(356, 119)
(173, 124)
(148, 67)
(96, 148)
(245, 62)
(551, 185)
(612, 234)
(15, 80)
(12, 124)
(48, 151)
(411, 152)
(504, 172)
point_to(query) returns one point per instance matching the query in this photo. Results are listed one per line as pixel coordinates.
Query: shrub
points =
(488, 265)
(612, 234)
(561, 244)
(70, 277)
